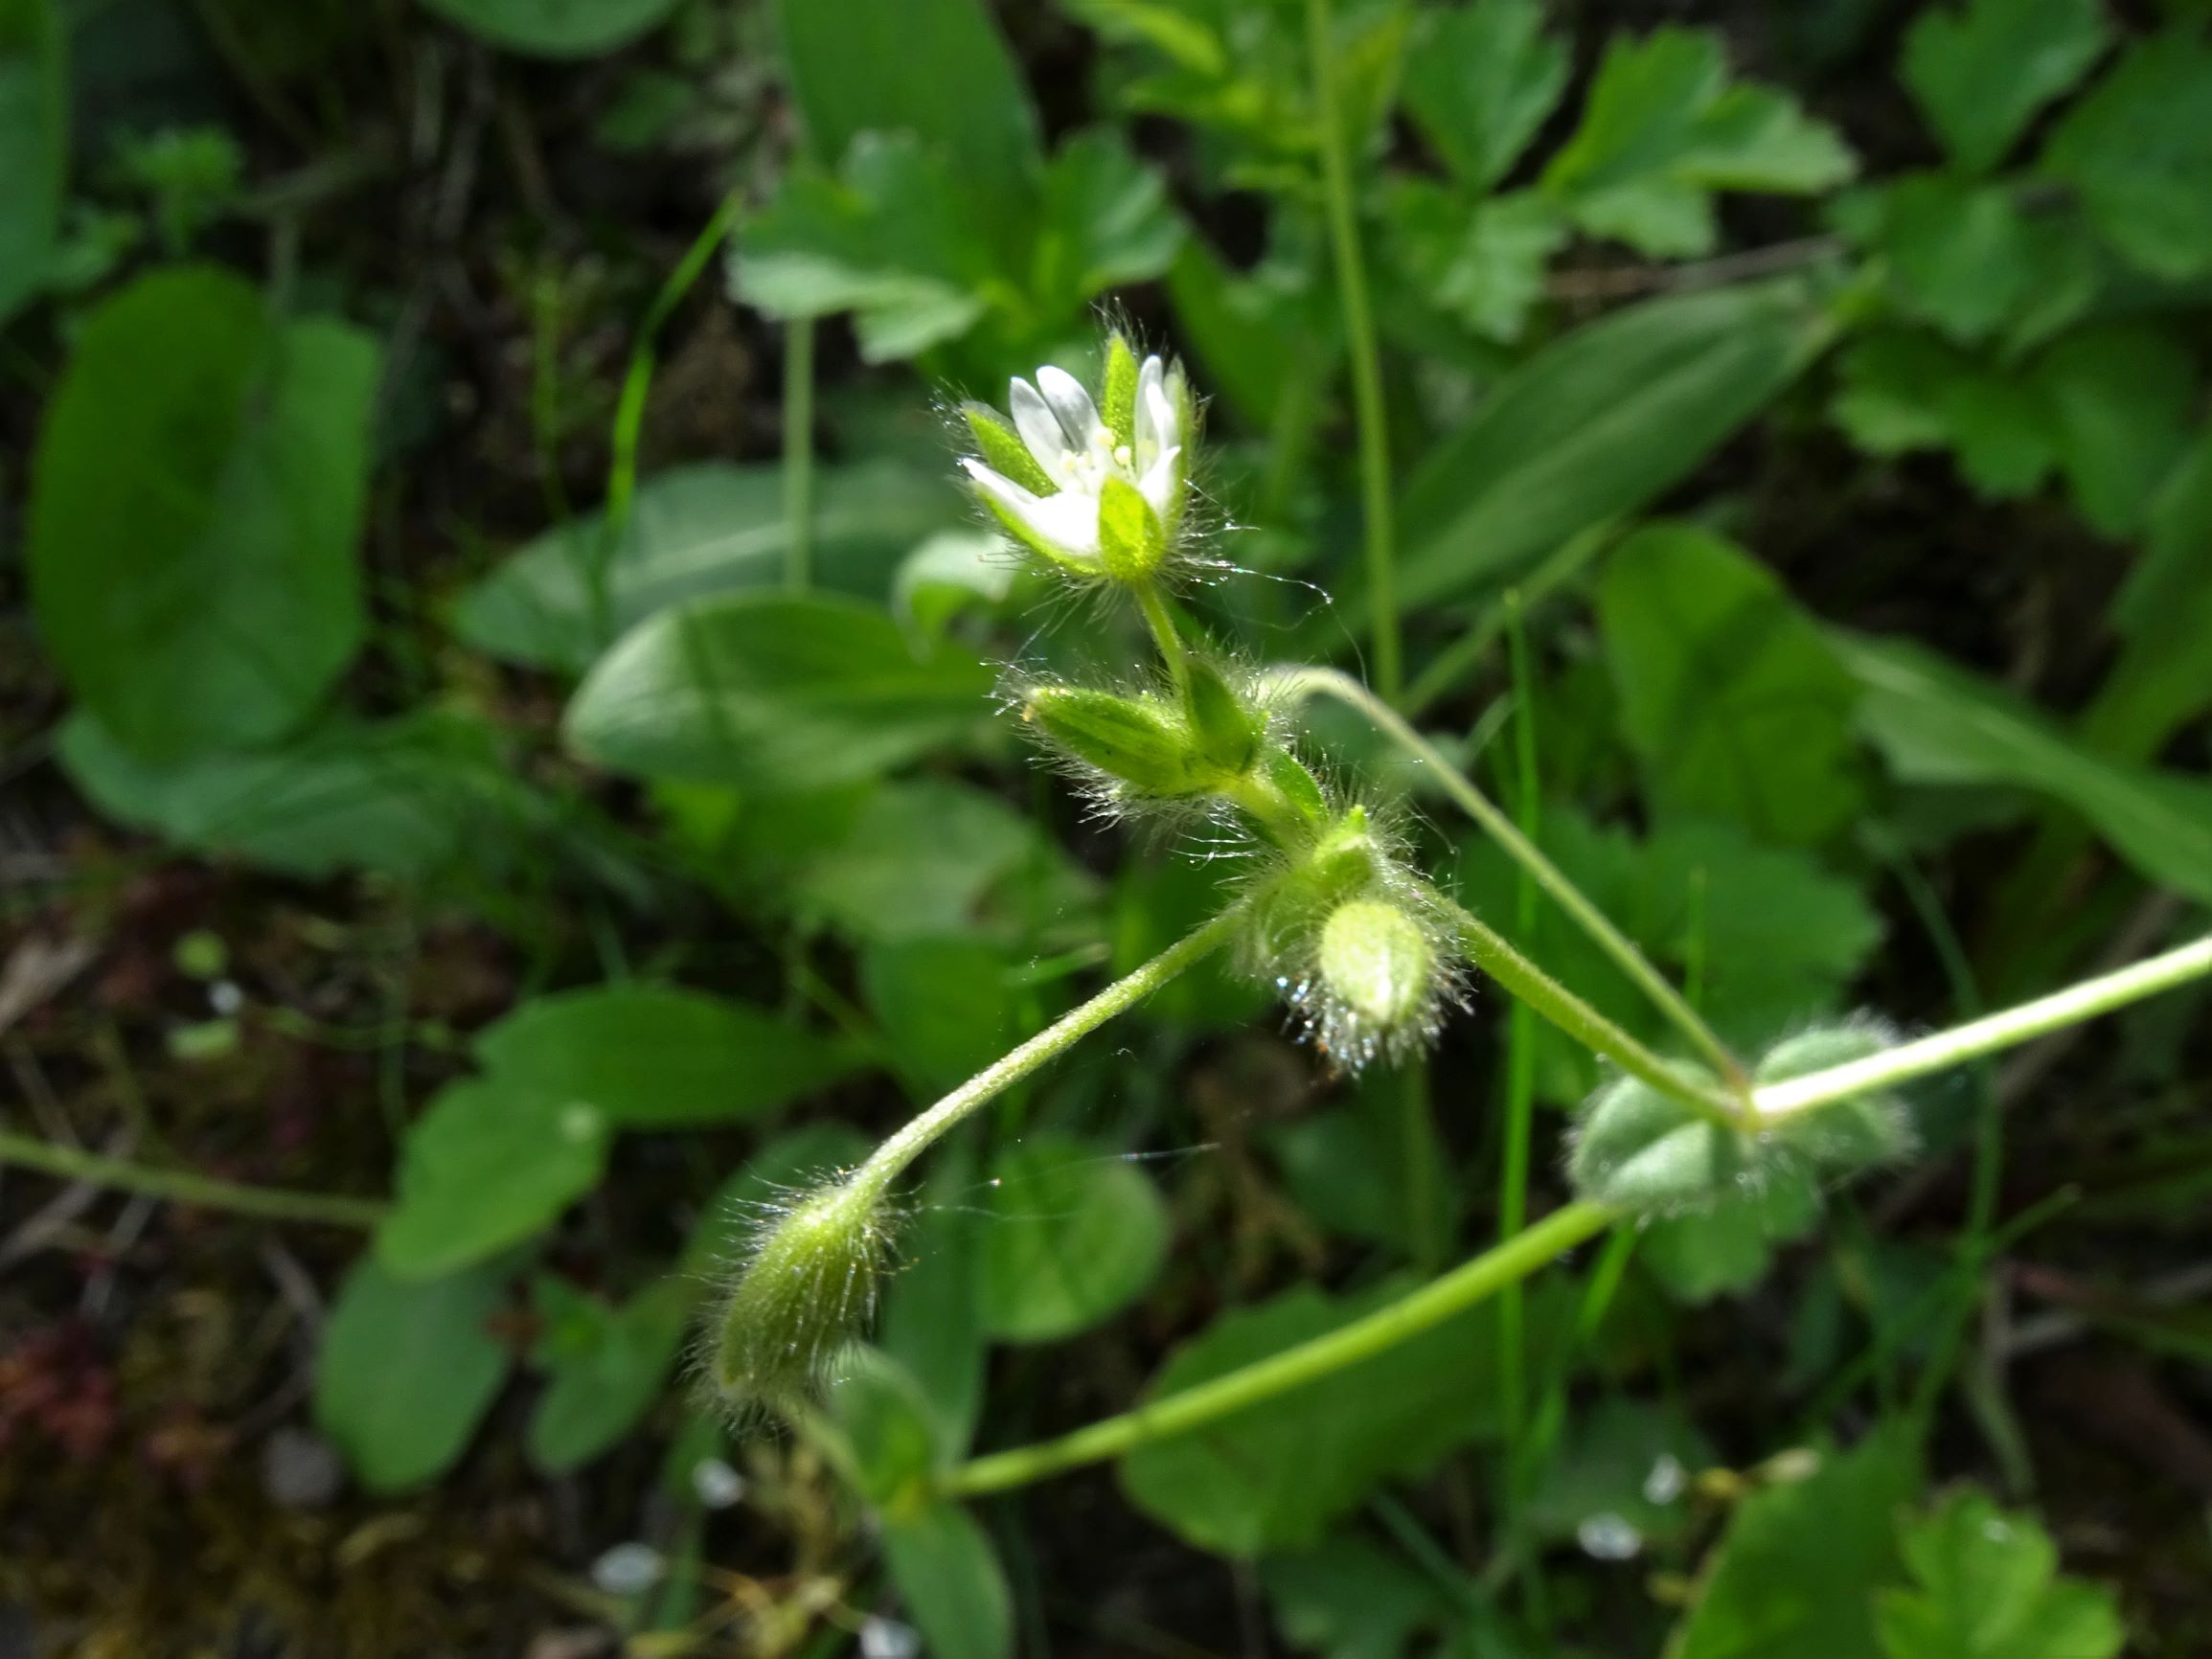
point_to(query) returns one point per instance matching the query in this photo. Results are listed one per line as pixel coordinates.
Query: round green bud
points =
(1376, 960)
(804, 1293)
(1846, 1136)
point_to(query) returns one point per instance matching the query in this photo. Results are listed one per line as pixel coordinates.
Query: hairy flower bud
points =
(1376, 959)
(804, 1293)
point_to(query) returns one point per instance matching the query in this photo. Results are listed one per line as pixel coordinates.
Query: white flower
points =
(1059, 426)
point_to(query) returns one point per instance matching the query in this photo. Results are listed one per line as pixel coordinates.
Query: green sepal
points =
(1639, 1150)
(1127, 738)
(1226, 729)
(1186, 405)
(1004, 452)
(1121, 391)
(1013, 524)
(1132, 542)
(1298, 787)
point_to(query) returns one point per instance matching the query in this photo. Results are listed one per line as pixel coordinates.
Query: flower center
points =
(1085, 471)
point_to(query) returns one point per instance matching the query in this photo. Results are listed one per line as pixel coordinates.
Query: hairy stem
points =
(1360, 338)
(1988, 1035)
(798, 453)
(1301, 682)
(1488, 950)
(891, 1159)
(1379, 1331)
(1162, 623)
(186, 1186)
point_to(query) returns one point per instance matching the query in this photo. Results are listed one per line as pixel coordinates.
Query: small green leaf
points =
(1131, 740)
(1959, 251)
(1482, 265)
(2120, 396)
(1480, 81)
(1076, 1235)
(1351, 1598)
(1104, 222)
(199, 486)
(883, 1433)
(407, 1370)
(2139, 150)
(1986, 1586)
(1728, 1249)
(1907, 390)
(1981, 72)
(1730, 695)
(488, 1164)
(772, 693)
(557, 29)
(657, 1057)
(607, 1367)
(34, 146)
(949, 1576)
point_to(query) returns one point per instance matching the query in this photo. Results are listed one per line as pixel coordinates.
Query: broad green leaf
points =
(949, 1576)
(704, 529)
(34, 146)
(1483, 265)
(1958, 251)
(556, 28)
(407, 1370)
(1904, 390)
(1075, 1235)
(658, 1057)
(1729, 694)
(1596, 425)
(1938, 724)
(1273, 1477)
(772, 693)
(944, 1003)
(2120, 396)
(605, 1366)
(489, 1165)
(2139, 150)
(1798, 1568)
(1105, 221)
(938, 69)
(1986, 1586)
(894, 240)
(1480, 80)
(411, 798)
(1663, 129)
(196, 501)
(1627, 1462)
(1981, 71)
(949, 574)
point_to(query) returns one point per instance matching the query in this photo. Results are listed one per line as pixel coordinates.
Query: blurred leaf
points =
(1986, 1586)
(411, 798)
(772, 693)
(556, 28)
(1959, 252)
(2120, 396)
(1483, 265)
(2163, 676)
(1346, 1168)
(949, 1576)
(1981, 72)
(1595, 425)
(195, 502)
(949, 574)
(34, 146)
(1729, 694)
(703, 529)
(1076, 1235)
(896, 241)
(489, 1164)
(932, 1321)
(1350, 1598)
(407, 1370)
(658, 1057)
(1728, 1249)
(1938, 724)
(1904, 390)
(880, 1430)
(607, 1367)
(2139, 150)
(939, 69)
(1480, 81)
(1624, 1460)
(944, 1003)
(1247, 331)
(1798, 1570)
(1157, 900)
(1273, 1476)
(1663, 129)
(1106, 220)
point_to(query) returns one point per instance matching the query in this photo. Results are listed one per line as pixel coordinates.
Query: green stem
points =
(1363, 1339)
(1360, 338)
(1300, 682)
(798, 453)
(1988, 1035)
(890, 1160)
(1161, 621)
(276, 1203)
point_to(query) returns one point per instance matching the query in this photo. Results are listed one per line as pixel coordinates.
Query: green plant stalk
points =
(1488, 949)
(1363, 1339)
(186, 1186)
(890, 1160)
(1302, 682)
(1162, 623)
(1366, 357)
(1988, 1035)
(799, 453)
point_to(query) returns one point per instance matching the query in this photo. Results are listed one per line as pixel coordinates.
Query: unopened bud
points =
(1375, 956)
(809, 1286)
(1132, 740)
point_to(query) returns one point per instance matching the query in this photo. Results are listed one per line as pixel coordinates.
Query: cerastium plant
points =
(1367, 951)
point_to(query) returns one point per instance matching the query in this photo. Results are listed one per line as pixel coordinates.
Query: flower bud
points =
(1374, 958)
(807, 1289)
(1132, 740)
(1846, 1136)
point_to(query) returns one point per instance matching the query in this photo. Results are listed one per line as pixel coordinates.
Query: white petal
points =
(1148, 434)
(1158, 484)
(1038, 426)
(1078, 414)
(1166, 423)
(1068, 520)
